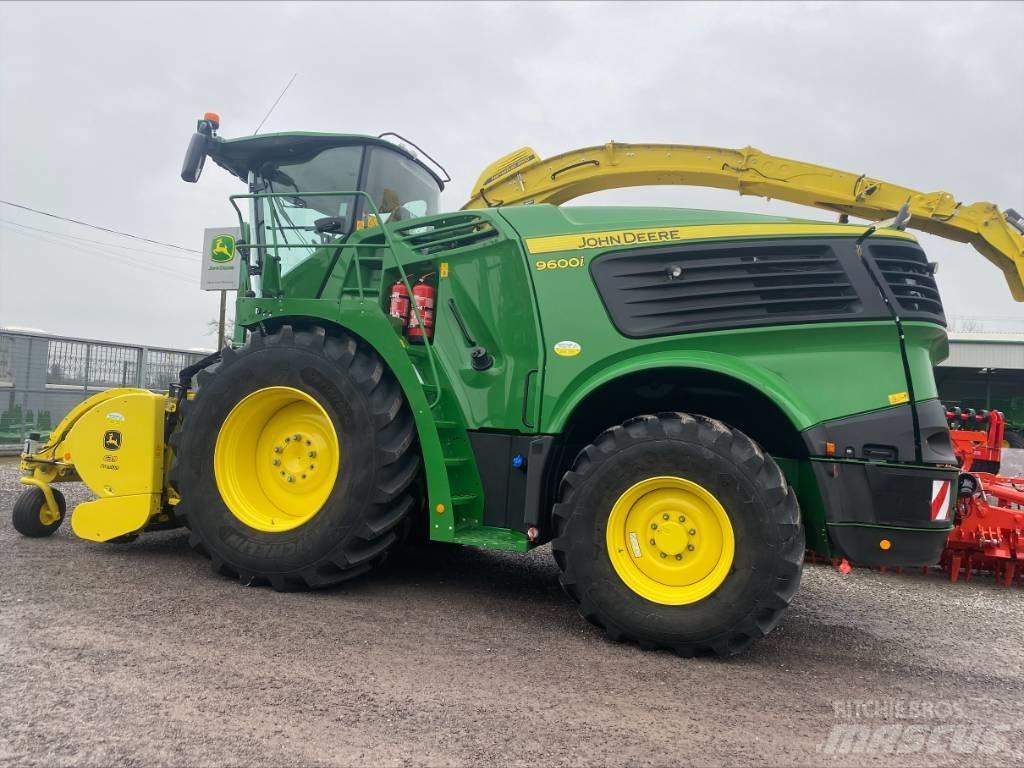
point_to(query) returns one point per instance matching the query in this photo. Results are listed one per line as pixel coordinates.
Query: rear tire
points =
(762, 571)
(376, 464)
(30, 510)
(1013, 439)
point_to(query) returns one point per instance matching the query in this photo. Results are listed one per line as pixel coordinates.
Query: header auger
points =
(678, 401)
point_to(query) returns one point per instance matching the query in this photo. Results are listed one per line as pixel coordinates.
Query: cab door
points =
(487, 331)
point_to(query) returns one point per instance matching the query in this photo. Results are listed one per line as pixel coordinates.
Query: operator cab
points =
(315, 188)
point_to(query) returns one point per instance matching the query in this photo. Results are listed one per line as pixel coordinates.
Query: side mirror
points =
(195, 155)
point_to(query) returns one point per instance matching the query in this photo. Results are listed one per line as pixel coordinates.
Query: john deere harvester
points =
(679, 401)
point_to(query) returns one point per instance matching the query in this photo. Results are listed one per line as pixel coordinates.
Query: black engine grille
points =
(703, 287)
(905, 270)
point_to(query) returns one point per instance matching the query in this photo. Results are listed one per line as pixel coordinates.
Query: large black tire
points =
(1013, 439)
(376, 486)
(27, 508)
(761, 507)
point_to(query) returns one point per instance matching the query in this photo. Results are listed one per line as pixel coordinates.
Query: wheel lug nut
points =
(690, 547)
(291, 478)
(654, 526)
(663, 554)
(312, 454)
(277, 448)
(693, 531)
(309, 442)
(296, 437)
(287, 439)
(664, 517)
(682, 518)
(679, 557)
(653, 542)
(303, 477)
(277, 462)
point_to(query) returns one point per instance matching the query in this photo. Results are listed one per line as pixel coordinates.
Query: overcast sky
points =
(97, 103)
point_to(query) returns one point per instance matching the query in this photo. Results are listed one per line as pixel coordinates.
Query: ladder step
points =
(492, 538)
(465, 498)
(445, 424)
(455, 461)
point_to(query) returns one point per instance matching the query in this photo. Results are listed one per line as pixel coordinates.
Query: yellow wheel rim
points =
(276, 459)
(670, 540)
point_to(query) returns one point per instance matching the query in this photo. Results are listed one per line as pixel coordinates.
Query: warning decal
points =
(940, 499)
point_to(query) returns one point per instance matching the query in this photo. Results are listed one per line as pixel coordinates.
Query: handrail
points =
(389, 244)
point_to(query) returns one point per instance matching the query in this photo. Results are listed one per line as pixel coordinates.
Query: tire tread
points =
(398, 460)
(743, 452)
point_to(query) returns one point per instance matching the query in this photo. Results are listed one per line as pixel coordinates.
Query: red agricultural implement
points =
(989, 527)
(977, 438)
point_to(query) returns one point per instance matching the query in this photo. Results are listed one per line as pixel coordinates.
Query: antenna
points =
(272, 106)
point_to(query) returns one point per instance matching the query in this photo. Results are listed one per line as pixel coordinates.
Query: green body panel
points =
(927, 346)
(493, 295)
(813, 372)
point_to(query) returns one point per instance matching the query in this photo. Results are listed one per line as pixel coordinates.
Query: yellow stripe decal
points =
(662, 235)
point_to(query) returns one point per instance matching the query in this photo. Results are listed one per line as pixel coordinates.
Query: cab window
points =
(290, 221)
(400, 188)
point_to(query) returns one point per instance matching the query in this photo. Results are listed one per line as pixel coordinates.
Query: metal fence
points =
(43, 377)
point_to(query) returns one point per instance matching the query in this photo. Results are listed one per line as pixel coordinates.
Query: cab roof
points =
(249, 153)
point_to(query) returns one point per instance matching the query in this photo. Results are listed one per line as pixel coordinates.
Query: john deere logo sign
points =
(222, 265)
(223, 248)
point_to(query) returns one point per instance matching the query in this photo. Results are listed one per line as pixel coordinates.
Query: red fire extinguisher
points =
(399, 306)
(423, 294)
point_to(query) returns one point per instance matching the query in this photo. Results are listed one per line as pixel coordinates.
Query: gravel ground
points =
(136, 654)
(1012, 463)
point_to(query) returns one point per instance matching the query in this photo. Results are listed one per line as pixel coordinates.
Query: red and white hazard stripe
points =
(940, 499)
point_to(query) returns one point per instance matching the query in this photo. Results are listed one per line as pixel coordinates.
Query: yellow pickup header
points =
(664, 235)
